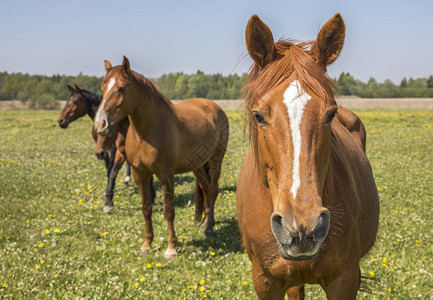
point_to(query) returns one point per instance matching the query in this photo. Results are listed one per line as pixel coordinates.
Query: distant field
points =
(55, 241)
(347, 101)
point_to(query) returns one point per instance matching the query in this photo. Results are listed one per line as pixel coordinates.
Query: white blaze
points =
(101, 114)
(111, 84)
(295, 98)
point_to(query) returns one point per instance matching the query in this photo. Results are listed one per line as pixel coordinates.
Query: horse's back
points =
(353, 124)
(365, 197)
(201, 122)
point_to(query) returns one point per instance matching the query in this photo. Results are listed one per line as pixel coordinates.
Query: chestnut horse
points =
(81, 102)
(114, 143)
(307, 204)
(165, 139)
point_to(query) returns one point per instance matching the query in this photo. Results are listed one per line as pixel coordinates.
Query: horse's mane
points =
(92, 98)
(145, 84)
(148, 87)
(289, 58)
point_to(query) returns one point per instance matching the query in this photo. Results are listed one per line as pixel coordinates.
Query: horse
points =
(165, 139)
(79, 103)
(306, 203)
(114, 143)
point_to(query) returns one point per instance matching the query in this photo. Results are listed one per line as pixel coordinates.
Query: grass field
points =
(55, 241)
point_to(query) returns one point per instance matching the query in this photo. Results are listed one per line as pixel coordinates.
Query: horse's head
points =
(289, 108)
(105, 143)
(118, 97)
(76, 107)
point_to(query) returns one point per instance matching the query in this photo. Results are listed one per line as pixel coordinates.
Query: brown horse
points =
(165, 139)
(81, 102)
(307, 203)
(114, 143)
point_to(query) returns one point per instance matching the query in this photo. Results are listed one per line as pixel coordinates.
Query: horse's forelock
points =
(289, 58)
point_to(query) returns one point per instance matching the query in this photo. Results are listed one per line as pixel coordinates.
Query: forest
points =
(41, 91)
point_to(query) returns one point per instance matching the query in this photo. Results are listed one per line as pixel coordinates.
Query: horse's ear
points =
(78, 89)
(108, 65)
(330, 41)
(70, 88)
(260, 41)
(125, 64)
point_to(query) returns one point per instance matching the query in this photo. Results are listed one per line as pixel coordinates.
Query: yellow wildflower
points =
(202, 289)
(371, 274)
(142, 278)
(244, 282)
(148, 266)
(47, 231)
(41, 244)
(202, 281)
(38, 267)
(136, 284)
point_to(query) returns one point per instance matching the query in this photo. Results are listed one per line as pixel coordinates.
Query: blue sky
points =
(385, 39)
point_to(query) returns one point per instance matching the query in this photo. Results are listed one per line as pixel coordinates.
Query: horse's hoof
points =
(209, 233)
(144, 252)
(170, 254)
(127, 180)
(108, 209)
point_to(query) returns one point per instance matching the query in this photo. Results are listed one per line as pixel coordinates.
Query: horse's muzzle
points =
(101, 123)
(299, 243)
(100, 155)
(62, 123)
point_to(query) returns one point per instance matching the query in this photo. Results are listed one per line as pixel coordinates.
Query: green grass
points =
(51, 181)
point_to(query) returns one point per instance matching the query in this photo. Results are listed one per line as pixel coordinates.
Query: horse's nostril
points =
(322, 228)
(104, 124)
(277, 219)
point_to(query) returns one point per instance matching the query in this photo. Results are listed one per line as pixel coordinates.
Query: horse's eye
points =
(121, 90)
(330, 115)
(260, 118)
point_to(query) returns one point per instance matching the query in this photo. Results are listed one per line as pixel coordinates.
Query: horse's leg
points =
(128, 174)
(345, 286)
(296, 292)
(214, 174)
(142, 180)
(168, 192)
(264, 288)
(118, 163)
(202, 193)
(107, 162)
(152, 190)
(111, 161)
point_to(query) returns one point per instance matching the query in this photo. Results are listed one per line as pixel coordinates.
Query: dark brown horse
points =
(81, 102)
(165, 139)
(307, 203)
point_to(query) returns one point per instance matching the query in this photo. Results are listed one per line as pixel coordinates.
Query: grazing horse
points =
(81, 102)
(307, 204)
(165, 139)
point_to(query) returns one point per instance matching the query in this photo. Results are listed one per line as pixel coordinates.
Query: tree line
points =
(44, 91)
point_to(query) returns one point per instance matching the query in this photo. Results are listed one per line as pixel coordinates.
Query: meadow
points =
(55, 241)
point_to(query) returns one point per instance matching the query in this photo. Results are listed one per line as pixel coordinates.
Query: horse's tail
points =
(199, 202)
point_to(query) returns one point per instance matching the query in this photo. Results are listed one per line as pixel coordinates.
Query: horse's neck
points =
(151, 114)
(92, 112)
(93, 107)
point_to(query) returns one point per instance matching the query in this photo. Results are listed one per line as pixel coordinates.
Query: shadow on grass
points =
(228, 238)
